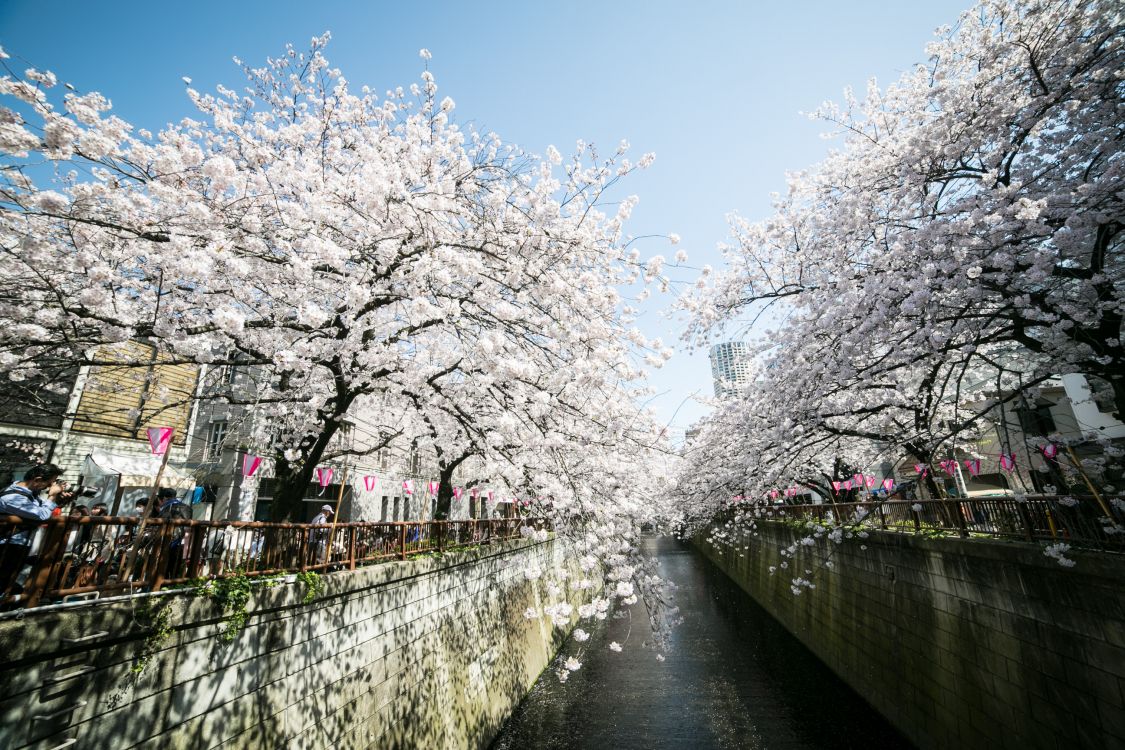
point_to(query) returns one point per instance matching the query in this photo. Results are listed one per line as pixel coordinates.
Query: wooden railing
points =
(71, 556)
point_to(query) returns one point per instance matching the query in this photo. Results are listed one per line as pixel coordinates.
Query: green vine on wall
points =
(232, 594)
(159, 621)
(314, 585)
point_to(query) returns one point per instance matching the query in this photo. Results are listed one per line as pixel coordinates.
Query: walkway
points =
(733, 679)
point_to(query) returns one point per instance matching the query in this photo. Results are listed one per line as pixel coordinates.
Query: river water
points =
(732, 678)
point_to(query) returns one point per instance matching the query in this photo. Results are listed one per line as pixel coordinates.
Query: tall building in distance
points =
(730, 367)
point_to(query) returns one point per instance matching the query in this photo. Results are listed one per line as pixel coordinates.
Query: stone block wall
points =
(959, 643)
(422, 653)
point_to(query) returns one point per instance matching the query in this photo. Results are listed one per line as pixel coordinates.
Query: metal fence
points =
(1080, 520)
(43, 562)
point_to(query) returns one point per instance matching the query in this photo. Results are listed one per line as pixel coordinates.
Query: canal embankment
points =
(959, 643)
(430, 652)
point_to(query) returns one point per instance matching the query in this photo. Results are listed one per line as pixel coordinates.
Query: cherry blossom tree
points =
(350, 244)
(965, 238)
(360, 253)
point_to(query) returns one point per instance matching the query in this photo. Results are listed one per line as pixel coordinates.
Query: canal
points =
(732, 678)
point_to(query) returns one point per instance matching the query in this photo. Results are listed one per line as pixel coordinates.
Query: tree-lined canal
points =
(733, 678)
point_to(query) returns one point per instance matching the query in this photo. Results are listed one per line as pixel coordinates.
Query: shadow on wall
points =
(430, 652)
(950, 638)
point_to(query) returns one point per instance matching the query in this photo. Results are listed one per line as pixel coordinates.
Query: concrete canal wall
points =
(973, 643)
(422, 653)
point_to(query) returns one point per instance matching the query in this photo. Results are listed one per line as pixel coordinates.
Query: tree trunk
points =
(445, 494)
(445, 487)
(291, 483)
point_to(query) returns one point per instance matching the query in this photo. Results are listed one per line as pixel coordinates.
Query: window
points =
(1037, 420)
(215, 440)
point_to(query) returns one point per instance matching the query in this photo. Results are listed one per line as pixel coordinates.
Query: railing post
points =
(402, 542)
(304, 539)
(441, 534)
(50, 557)
(1051, 523)
(195, 558)
(160, 554)
(351, 547)
(964, 532)
(917, 521)
(882, 517)
(1025, 516)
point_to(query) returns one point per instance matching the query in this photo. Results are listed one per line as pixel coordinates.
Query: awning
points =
(134, 470)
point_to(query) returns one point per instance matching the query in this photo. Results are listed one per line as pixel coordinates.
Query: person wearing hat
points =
(319, 537)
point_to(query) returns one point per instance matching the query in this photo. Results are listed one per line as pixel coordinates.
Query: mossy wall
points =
(959, 643)
(423, 653)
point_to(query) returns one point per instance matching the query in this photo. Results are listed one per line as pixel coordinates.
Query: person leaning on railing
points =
(23, 499)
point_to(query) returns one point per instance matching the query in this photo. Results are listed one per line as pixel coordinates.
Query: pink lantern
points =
(870, 480)
(323, 476)
(889, 484)
(973, 465)
(457, 493)
(159, 438)
(408, 486)
(490, 496)
(857, 480)
(847, 484)
(773, 493)
(921, 469)
(1007, 462)
(949, 466)
(369, 482)
(432, 487)
(1050, 450)
(836, 486)
(250, 464)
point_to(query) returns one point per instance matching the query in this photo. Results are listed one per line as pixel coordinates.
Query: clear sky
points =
(714, 88)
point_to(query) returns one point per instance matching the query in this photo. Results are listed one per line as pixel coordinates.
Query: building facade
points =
(730, 368)
(93, 422)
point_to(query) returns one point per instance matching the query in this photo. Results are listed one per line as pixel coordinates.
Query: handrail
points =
(78, 555)
(1074, 519)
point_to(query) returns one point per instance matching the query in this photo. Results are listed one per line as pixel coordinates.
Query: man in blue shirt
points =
(22, 499)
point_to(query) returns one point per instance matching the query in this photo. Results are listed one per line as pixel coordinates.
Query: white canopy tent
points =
(111, 472)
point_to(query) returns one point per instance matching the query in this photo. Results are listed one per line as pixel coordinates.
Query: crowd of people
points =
(91, 550)
(96, 555)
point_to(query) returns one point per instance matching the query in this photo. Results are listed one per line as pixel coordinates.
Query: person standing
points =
(23, 499)
(170, 508)
(324, 516)
(319, 537)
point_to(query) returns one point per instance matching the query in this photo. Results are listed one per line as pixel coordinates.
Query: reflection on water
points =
(733, 678)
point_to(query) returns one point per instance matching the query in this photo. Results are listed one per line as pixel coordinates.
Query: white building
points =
(730, 367)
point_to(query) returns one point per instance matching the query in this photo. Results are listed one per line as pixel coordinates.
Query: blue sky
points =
(714, 88)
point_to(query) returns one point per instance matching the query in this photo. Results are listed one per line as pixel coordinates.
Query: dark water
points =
(733, 678)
